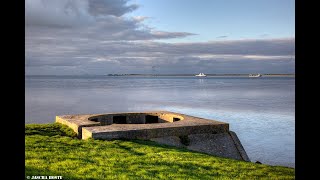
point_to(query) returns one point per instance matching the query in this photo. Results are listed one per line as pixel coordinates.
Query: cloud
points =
(140, 18)
(97, 37)
(110, 7)
(166, 35)
(139, 57)
(264, 35)
(220, 37)
(100, 19)
(257, 57)
(62, 13)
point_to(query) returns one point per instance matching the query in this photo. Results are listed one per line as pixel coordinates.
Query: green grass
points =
(54, 150)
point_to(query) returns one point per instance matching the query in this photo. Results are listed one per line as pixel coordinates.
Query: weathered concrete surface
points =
(216, 144)
(221, 144)
(76, 122)
(147, 131)
(239, 146)
(202, 135)
(169, 140)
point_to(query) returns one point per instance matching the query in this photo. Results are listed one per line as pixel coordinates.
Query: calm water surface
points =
(259, 110)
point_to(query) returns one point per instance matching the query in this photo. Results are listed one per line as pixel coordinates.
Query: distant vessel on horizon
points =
(201, 75)
(255, 75)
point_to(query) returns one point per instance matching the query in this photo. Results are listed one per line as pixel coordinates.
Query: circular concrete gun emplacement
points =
(204, 135)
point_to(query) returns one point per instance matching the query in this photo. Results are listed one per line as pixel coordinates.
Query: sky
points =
(97, 37)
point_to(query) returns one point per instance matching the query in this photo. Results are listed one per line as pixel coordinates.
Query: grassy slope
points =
(52, 149)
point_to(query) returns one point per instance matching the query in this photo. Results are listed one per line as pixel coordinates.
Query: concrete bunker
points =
(161, 126)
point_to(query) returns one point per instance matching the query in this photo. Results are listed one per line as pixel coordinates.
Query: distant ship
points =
(255, 75)
(201, 75)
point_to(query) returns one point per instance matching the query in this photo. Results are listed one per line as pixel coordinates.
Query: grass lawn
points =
(53, 150)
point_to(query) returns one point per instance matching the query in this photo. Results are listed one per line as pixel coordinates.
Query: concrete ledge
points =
(145, 131)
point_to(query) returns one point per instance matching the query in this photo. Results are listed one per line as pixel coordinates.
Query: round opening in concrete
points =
(136, 118)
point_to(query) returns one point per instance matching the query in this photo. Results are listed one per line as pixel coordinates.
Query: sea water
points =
(260, 110)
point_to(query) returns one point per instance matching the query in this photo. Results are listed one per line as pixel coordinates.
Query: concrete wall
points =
(100, 133)
(222, 144)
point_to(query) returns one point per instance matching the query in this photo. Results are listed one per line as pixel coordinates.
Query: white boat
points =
(201, 75)
(255, 75)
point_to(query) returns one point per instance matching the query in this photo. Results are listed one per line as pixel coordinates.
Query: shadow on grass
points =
(52, 129)
(128, 149)
(164, 146)
(129, 158)
(140, 167)
(31, 171)
(142, 173)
